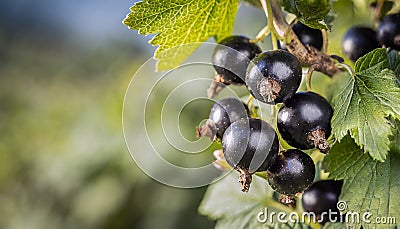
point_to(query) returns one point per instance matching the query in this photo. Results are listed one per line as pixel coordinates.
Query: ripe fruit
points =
(292, 172)
(304, 121)
(273, 76)
(323, 196)
(307, 36)
(222, 114)
(388, 32)
(249, 146)
(358, 41)
(231, 57)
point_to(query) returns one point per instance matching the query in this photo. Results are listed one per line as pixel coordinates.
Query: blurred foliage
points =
(63, 160)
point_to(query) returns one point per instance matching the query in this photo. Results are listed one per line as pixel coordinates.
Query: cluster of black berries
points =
(359, 40)
(251, 145)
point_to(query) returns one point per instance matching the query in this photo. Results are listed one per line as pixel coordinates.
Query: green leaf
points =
(290, 6)
(329, 18)
(181, 22)
(369, 185)
(362, 103)
(313, 12)
(309, 12)
(374, 61)
(225, 202)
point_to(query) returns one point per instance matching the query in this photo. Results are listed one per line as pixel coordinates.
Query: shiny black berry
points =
(249, 146)
(273, 76)
(292, 172)
(304, 121)
(358, 41)
(322, 197)
(388, 32)
(222, 114)
(307, 36)
(231, 57)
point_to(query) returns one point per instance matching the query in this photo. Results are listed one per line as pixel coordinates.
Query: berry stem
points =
(280, 26)
(306, 54)
(308, 77)
(251, 107)
(325, 41)
(273, 110)
(378, 10)
(249, 100)
(216, 86)
(262, 34)
(346, 67)
(208, 129)
(220, 162)
(268, 13)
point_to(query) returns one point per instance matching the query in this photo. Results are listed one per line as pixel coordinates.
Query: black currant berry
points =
(304, 121)
(222, 114)
(292, 172)
(322, 197)
(249, 146)
(230, 59)
(358, 41)
(388, 32)
(273, 76)
(307, 36)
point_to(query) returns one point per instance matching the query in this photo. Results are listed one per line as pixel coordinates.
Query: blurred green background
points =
(64, 69)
